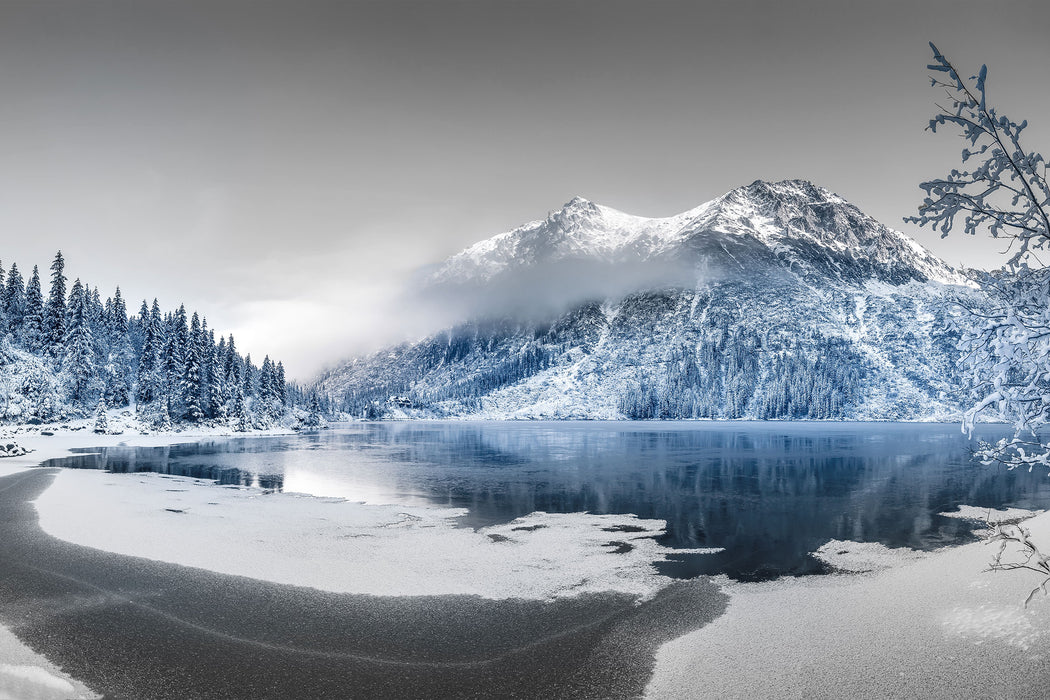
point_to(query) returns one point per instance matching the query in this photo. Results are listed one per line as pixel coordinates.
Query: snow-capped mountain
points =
(776, 300)
(795, 220)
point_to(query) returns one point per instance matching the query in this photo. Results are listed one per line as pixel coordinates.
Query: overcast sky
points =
(283, 166)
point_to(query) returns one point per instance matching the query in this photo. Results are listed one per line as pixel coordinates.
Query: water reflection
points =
(123, 460)
(768, 493)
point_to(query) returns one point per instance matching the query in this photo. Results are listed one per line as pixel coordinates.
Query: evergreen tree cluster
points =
(821, 387)
(723, 377)
(502, 363)
(72, 354)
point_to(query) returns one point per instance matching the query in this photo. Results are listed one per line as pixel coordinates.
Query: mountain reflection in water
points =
(769, 493)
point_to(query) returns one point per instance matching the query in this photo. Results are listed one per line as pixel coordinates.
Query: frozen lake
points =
(769, 493)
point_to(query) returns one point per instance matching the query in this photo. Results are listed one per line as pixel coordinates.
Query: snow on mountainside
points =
(776, 300)
(789, 217)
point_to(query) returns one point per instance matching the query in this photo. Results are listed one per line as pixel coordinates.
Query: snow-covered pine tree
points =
(217, 387)
(205, 350)
(146, 389)
(241, 419)
(232, 365)
(78, 364)
(118, 319)
(248, 377)
(32, 331)
(55, 311)
(119, 353)
(269, 394)
(173, 363)
(162, 421)
(96, 317)
(313, 417)
(282, 384)
(190, 387)
(14, 300)
(101, 423)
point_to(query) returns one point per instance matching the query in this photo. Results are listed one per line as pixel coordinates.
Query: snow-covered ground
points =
(124, 424)
(24, 674)
(937, 625)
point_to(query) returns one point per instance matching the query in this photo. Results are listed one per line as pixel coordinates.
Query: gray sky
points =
(283, 166)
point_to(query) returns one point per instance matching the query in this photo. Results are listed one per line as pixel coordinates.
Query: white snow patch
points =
(1004, 622)
(937, 626)
(991, 514)
(861, 557)
(347, 547)
(39, 682)
(25, 675)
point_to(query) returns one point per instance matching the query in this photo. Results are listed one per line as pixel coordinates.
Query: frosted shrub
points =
(1006, 340)
(1006, 343)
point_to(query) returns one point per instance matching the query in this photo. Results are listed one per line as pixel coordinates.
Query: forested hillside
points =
(65, 354)
(775, 301)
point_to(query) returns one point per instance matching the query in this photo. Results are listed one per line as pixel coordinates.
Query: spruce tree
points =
(206, 350)
(248, 378)
(118, 320)
(147, 390)
(175, 360)
(313, 418)
(33, 322)
(240, 420)
(217, 386)
(101, 424)
(14, 300)
(120, 355)
(267, 390)
(78, 364)
(55, 311)
(282, 385)
(190, 388)
(96, 318)
(231, 364)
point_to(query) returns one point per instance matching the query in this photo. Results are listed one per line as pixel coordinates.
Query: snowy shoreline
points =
(321, 542)
(23, 672)
(936, 624)
(910, 622)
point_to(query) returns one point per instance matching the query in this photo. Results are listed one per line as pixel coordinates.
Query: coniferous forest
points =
(67, 353)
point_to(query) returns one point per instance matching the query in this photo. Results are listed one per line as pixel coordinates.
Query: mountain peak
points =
(804, 226)
(578, 210)
(796, 190)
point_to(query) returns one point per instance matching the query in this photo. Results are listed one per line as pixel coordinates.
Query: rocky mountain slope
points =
(776, 300)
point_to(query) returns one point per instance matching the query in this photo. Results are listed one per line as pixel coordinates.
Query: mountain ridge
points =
(775, 300)
(582, 228)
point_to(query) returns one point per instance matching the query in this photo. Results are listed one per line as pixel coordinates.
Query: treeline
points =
(723, 377)
(499, 361)
(67, 354)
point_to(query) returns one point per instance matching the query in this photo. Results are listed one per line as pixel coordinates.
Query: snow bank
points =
(861, 557)
(991, 514)
(347, 547)
(936, 626)
(25, 675)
